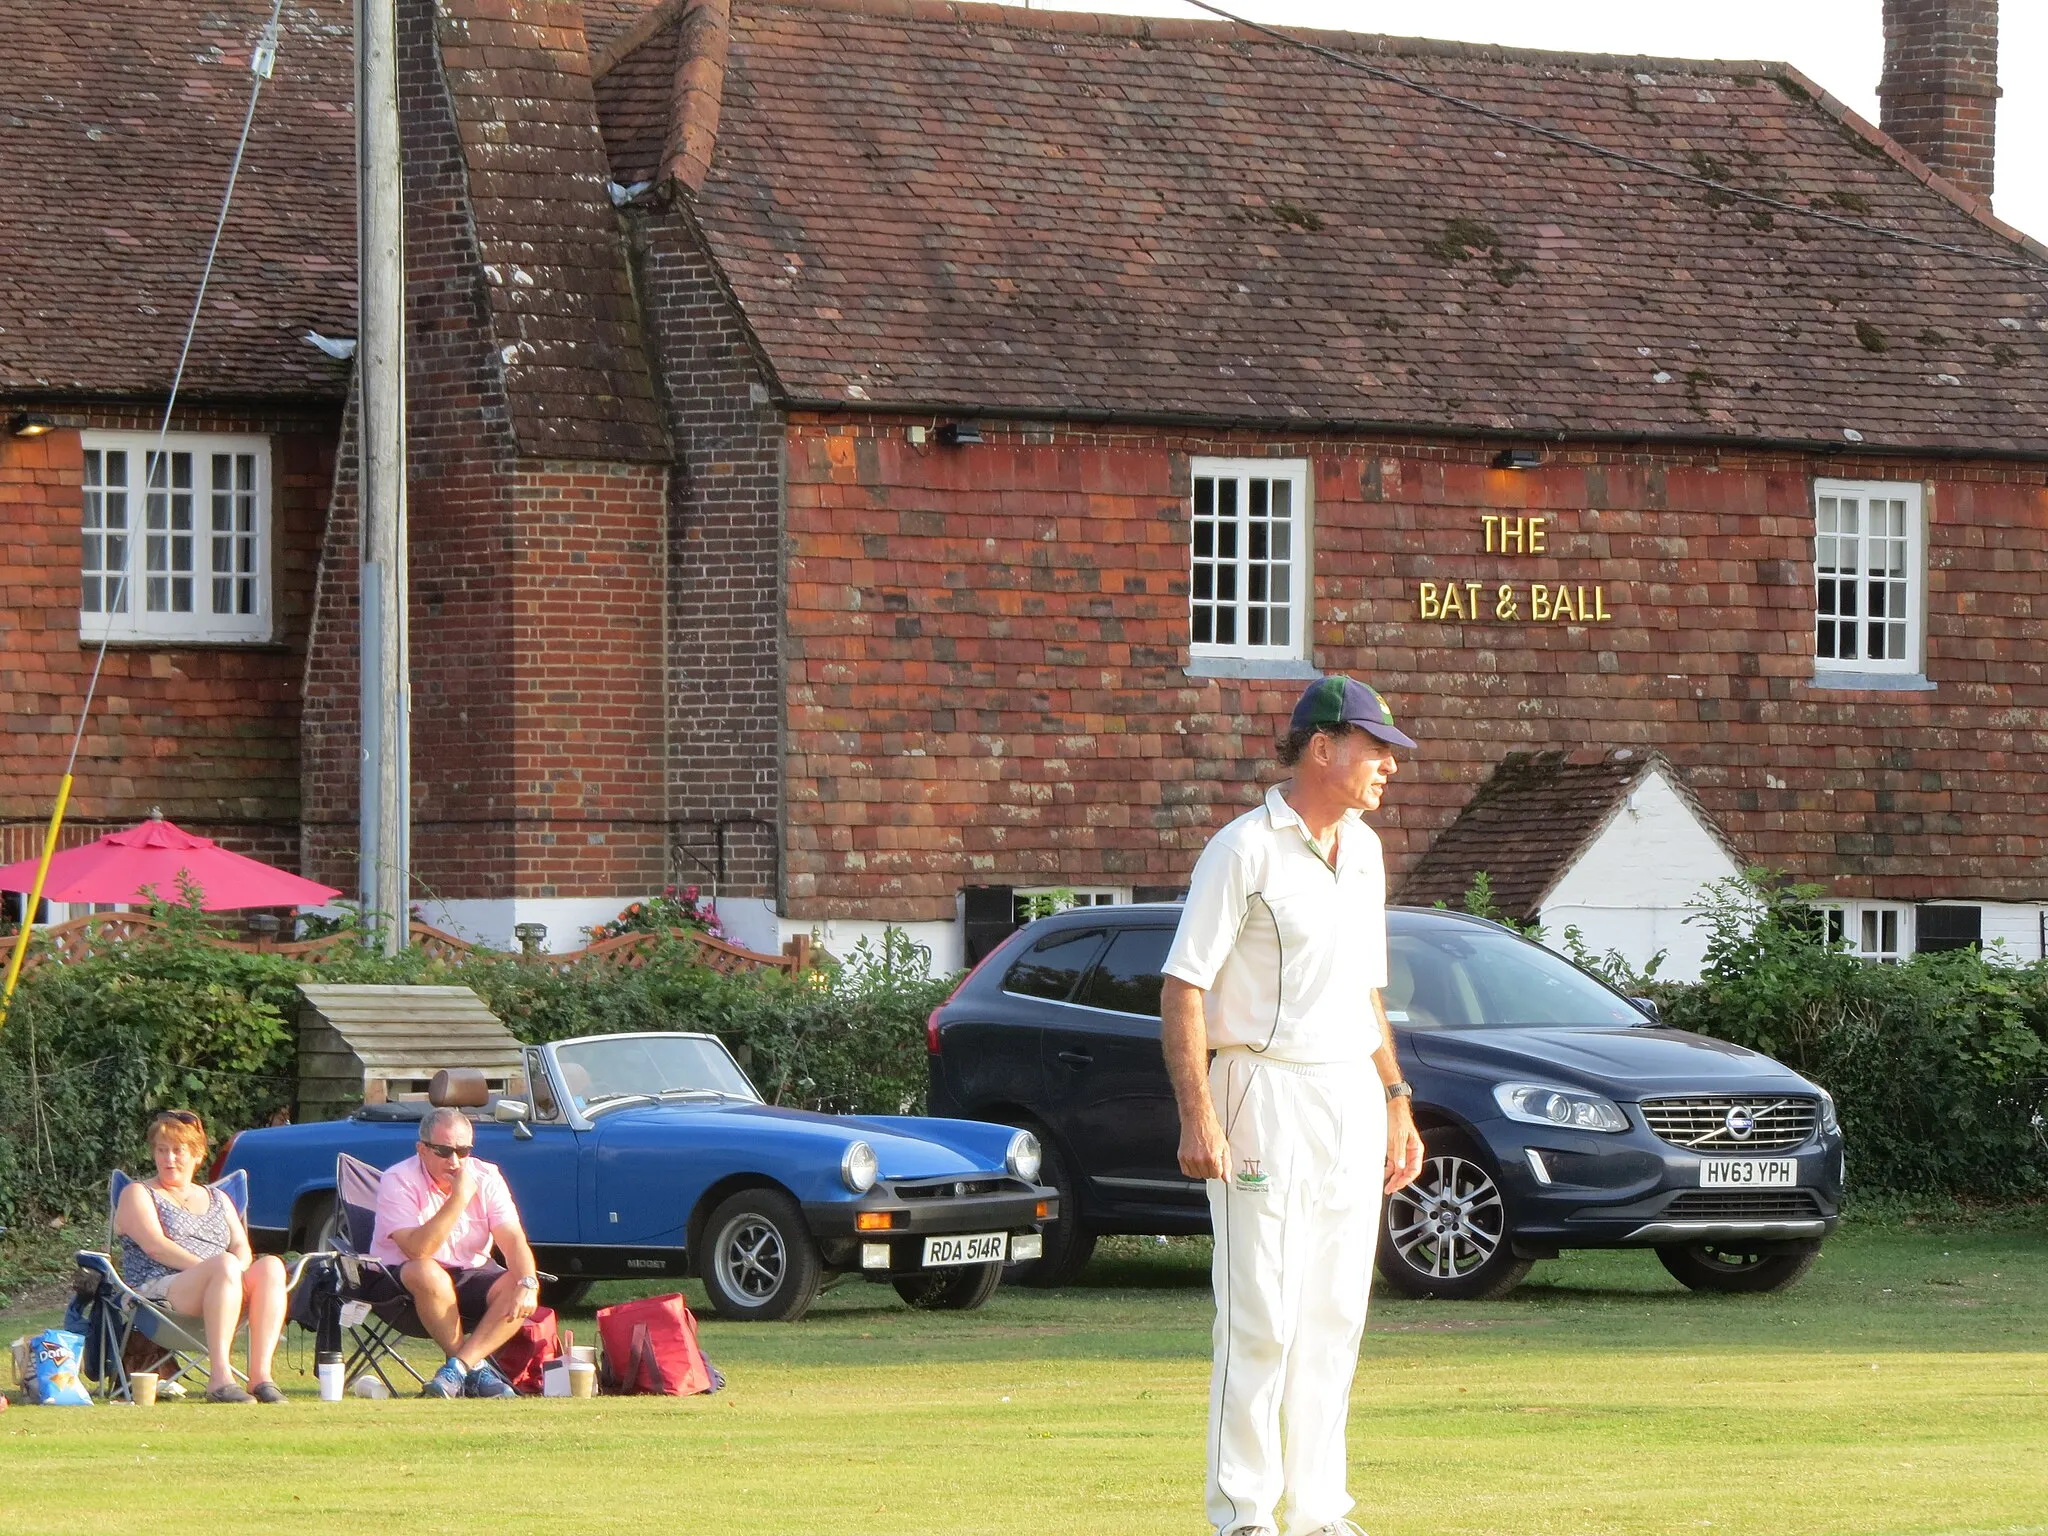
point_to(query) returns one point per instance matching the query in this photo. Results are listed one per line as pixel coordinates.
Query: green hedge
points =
(93, 1049)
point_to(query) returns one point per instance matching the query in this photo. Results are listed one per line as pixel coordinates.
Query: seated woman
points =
(184, 1247)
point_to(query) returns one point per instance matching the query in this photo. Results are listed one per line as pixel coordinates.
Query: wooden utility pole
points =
(386, 782)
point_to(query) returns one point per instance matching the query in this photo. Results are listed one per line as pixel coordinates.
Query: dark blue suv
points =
(1557, 1113)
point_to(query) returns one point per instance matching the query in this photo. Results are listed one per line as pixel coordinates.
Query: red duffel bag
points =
(651, 1346)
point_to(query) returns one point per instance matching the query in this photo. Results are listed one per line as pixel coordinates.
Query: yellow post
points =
(35, 896)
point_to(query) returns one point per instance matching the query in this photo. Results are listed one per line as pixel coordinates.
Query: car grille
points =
(1701, 1125)
(952, 1189)
(1743, 1205)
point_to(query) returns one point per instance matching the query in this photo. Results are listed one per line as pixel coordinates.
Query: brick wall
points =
(987, 650)
(1939, 91)
(536, 626)
(207, 733)
(724, 593)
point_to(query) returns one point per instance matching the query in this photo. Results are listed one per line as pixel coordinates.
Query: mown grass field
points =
(1901, 1388)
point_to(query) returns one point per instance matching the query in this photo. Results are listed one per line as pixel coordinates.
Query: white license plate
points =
(968, 1248)
(1749, 1173)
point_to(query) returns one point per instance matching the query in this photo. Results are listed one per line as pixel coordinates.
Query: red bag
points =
(521, 1358)
(651, 1346)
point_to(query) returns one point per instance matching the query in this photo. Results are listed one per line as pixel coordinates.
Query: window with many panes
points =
(1248, 584)
(1876, 931)
(175, 538)
(1867, 576)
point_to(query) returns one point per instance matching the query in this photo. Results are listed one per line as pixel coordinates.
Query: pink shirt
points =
(406, 1197)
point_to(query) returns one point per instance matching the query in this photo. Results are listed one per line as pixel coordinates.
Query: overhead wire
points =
(1618, 156)
(262, 62)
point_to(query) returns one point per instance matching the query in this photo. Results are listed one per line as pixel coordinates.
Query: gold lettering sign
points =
(1530, 602)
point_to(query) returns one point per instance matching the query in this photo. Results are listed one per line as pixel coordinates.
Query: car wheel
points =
(1445, 1237)
(759, 1263)
(324, 1226)
(1068, 1245)
(562, 1294)
(959, 1289)
(1748, 1267)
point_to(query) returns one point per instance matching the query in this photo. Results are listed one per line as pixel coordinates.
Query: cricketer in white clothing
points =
(1292, 1107)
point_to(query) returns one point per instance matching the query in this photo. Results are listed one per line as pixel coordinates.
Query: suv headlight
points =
(1024, 1157)
(1536, 1104)
(1829, 1121)
(857, 1166)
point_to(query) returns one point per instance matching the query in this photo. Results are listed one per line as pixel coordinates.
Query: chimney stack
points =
(1939, 92)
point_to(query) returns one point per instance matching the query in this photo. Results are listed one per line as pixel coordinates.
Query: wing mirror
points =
(514, 1112)
(1647, 1004)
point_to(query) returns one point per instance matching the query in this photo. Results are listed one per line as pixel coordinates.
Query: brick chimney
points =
(1939, 91)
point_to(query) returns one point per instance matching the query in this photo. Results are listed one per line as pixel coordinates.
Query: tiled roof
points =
(118, 122)
(1528, 824)
(962, 206)
(604, 20)
(554, 257)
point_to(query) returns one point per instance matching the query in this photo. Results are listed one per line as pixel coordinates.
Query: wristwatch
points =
(528, 1283)
(1399, 1091)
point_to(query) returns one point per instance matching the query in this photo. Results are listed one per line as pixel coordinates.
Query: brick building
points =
(885, 458)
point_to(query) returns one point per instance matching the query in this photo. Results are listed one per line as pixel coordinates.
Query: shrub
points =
(92, 1049)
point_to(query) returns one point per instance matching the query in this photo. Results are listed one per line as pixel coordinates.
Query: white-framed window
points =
(1869, 576)
(1031, 902)
(175, 543)
(1248, 558)
(1877, 931)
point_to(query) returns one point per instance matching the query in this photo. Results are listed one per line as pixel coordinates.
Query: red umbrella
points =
(121, 864)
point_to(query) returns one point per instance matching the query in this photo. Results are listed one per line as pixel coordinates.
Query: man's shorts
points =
(472, 1288)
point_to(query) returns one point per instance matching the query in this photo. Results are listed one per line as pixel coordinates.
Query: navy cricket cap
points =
(1342, 700)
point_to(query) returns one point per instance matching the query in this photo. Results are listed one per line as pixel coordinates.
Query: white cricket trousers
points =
(1296, 1221)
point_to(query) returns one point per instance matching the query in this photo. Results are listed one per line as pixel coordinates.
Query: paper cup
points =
(585, 1353)
(142, 1388)
(582, 1379)
(329, 1374)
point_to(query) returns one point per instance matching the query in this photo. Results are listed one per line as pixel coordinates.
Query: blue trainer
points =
(452, 1380)
(485, 1381)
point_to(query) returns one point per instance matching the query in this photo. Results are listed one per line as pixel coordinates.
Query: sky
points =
(1839, 43)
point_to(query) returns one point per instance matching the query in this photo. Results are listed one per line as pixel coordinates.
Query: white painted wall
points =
(491, 921)
(2018, 924)
(1634, 888)
(753, 922)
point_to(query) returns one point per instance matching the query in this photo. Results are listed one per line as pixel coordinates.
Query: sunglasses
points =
(449, 1152)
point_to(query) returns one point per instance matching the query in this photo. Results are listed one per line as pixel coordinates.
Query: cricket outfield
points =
(1901, 1388)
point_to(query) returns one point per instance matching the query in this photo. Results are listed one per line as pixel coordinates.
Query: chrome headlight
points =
(1024, 1157)
(1536, 1104)
(1829, 1121)
(858, 1168)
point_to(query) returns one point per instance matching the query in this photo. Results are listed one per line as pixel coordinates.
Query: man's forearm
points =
(1184, 1039)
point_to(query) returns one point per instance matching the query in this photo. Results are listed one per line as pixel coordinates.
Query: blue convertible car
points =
(643, 1155)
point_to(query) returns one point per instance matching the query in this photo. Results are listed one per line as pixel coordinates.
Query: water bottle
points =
(327, 1366)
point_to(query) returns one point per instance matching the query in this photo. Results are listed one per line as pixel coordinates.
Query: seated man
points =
(437, 1215)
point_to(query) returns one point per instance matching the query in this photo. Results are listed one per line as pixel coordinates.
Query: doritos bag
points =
(53, 1357)
(651, 1346)
(522, 1358)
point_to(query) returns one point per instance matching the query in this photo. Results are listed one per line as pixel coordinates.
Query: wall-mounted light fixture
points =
(1518, 458)
(530, 936)
(958, 434)
(30, 424)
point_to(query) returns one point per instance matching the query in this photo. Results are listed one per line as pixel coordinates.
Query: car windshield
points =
(597, 1072)
(1452, 975)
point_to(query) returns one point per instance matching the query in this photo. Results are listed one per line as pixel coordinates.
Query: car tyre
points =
(759, 1263)
(1746, 1269)
(1446, 1237)
(1068, 1245)
(562, 1294)
(959, 1289)
(323, 1227)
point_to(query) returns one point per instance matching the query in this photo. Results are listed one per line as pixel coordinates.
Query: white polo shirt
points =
(1287, 948)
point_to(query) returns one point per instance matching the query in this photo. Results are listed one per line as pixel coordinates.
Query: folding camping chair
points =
(117, 1315)
(376, 1312)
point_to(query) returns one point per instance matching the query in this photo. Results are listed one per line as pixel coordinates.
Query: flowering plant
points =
(675, 907)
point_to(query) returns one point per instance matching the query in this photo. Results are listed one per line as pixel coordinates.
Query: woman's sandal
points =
(231, 1393)
(268, 1392)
